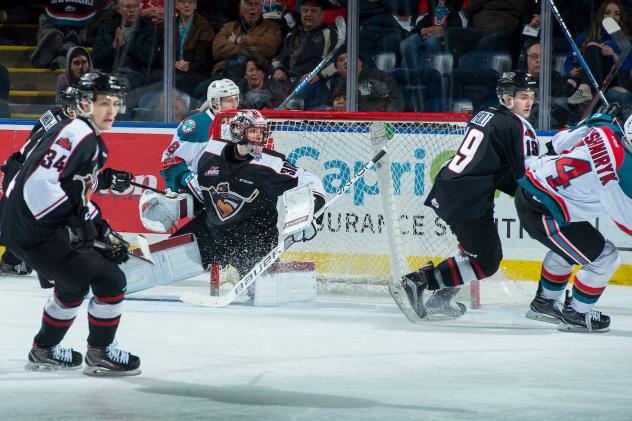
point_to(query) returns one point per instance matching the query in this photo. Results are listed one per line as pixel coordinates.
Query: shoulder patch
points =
(482, 118)
(65, 143)
(188, 126)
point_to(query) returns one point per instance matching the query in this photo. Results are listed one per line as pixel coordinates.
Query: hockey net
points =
(380, 229)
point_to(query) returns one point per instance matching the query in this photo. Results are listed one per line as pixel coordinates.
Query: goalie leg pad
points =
(286, 282)
(176, 259)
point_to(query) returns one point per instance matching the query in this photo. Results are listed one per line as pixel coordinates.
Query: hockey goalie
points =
(232, 201)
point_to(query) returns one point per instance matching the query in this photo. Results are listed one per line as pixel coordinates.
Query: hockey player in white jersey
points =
(49, 221)
(590, 176)
(180, 159)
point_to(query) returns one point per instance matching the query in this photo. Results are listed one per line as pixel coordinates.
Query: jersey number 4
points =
(567, 169)
(466, 152)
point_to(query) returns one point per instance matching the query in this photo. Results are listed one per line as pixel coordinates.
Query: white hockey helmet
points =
(627, 134)
(219, 89)
(250, 128)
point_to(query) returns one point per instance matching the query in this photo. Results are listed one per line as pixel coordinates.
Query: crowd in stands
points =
(415, 55)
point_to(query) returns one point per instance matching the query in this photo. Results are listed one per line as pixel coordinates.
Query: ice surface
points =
(325, 360)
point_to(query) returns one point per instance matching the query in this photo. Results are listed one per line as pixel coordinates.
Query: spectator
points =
(257, 100)
(303, 49)
(600, 51)
(339, 100)
(384, 24)
(338, 81)
(255, 80)
(194, 38)
(62, 25)
(13, 11)
(154, 10)
(561, 113)
(127, 44)
(373, 96)
(435, 17)
(78, 64)
(493, 23)
(4, 92)
(250, 35)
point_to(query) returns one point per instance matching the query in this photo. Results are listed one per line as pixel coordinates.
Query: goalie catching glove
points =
(159, 212)
(309, 232)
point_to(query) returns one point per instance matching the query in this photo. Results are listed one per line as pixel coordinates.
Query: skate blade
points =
(438, 314)
(534, 315)
(31, 366)
(564, 327)
(104, 372)
(396, 292)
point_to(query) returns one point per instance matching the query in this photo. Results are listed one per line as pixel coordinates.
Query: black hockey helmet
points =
(517, 80)
(68, 99)
(91, 84)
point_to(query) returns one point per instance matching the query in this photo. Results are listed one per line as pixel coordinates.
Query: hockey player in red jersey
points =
(48, 220)
(497, 144)
(590, 176)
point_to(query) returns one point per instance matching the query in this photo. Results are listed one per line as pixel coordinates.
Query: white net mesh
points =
(352, 251)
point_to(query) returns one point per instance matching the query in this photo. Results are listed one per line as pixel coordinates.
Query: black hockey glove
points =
(113, 179)
(83, 230)
(116, 248)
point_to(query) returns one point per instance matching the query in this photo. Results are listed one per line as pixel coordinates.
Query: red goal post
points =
(380, 229)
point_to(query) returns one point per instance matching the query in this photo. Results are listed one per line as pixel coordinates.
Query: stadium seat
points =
(410, 83)
(442, 63)
(477, 74)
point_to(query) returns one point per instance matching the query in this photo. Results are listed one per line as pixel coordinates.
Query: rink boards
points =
(357, 218)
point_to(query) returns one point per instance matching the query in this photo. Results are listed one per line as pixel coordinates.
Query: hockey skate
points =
(111, 361)
(574, 321)
(442, 305)
(408, 293)
(19, 269)
(545, 310)
(51, 358)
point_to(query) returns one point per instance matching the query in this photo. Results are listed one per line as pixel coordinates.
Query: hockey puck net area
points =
(380, 229)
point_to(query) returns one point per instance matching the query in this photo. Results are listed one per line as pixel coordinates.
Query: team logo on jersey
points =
(227, 203)
(65, 143)
(188, 126)
(212, 172)
(482, 118)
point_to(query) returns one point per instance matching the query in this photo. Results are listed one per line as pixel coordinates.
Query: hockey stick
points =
(275, 253)
(614, 30)
(144, 248)
(341, 30)
(133, 183)
(578, 53)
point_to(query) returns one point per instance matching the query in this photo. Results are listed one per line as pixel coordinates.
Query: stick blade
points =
(143, 244)
(614, 30)
(341, 29)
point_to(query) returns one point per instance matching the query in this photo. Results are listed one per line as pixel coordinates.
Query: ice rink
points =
(324, 360)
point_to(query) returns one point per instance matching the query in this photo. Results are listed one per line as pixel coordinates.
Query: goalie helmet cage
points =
(380, 229)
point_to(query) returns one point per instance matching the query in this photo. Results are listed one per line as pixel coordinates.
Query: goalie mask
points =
(512, 82)
(92, 84)
(218, 90)
(627, 134)
(250, 128)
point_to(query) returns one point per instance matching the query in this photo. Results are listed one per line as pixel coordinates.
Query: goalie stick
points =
(275, 253)
(614, 30)
(341, 30)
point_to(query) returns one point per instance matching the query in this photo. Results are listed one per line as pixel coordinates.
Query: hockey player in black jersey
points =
(108, 178)
(497, 143)
(238, 183)
(49, 221)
